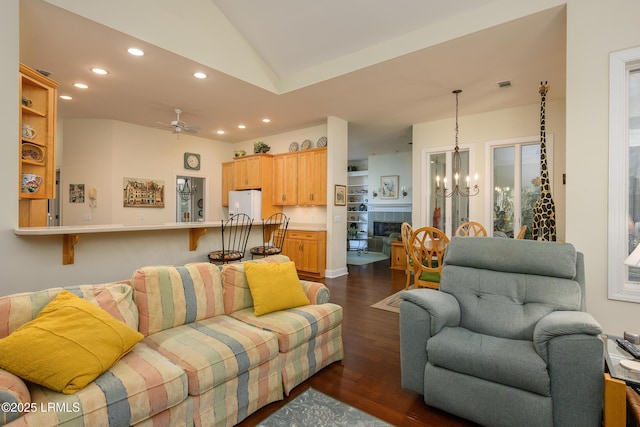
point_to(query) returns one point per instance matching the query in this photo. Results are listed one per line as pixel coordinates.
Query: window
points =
(515, 179)
(445, 213)
(624, 172)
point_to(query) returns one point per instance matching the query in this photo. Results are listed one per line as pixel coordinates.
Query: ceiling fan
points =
(178, 125)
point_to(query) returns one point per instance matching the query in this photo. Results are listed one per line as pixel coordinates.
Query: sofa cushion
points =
(69, 344)
(115, 298)
(295, 326)
(215, 350)
(14, 392)
(237, 294)
(169, 296)
(138, 387)
(514, 363)
(274, 287)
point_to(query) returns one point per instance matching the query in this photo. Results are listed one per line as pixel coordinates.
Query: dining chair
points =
(427, 247)
(235, 234)
(471, 228)
(406, 231)
(274, 230)
(522, 232)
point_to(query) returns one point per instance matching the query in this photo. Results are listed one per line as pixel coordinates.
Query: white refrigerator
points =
(246, 201)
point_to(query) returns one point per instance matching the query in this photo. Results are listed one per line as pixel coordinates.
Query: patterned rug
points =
(314, 409)
(390, 303)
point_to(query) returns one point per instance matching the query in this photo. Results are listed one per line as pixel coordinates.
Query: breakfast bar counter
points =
(71, 233)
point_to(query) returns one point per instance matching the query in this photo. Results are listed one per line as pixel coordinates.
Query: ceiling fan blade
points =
(193, 129)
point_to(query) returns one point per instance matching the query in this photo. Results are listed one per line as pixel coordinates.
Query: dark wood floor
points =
(369, 376)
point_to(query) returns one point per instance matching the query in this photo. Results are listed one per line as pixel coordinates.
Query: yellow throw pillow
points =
(274, 287)
(68, 345)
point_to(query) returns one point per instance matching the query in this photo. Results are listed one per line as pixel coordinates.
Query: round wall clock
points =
(192, 161)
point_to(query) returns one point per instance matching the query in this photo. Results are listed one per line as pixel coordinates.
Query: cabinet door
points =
(228, 179)
(312, 179)
(285, 180)
(248, 173)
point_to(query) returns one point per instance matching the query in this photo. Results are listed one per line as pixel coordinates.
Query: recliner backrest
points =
(505, 286)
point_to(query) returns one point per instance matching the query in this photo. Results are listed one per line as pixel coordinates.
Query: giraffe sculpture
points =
(544, 210)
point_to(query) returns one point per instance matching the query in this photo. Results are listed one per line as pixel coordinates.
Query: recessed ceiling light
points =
(242, 127)
(81, 86)
(220, 132)
(199, 75)
(100, 71)
(67, 97)
(266, 120)
(135, 51)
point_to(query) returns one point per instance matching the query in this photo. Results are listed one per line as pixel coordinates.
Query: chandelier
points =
(467, 190)
(185, 190)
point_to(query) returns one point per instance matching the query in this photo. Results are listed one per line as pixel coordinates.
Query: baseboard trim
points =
(336, 273)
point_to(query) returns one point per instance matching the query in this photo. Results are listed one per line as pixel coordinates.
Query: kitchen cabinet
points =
(250, 170)
(255, 172)
(285, 179)
(312, 177)
(37, 149)
(228, 181)
(308, 250)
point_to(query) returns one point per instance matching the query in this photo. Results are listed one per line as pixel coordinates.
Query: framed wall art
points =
(340, 195)
(143, 193)
(389, 187)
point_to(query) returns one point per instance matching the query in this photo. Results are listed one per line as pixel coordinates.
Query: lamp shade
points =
(633, 260)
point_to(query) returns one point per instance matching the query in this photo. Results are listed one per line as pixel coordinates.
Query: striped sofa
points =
(205, 359)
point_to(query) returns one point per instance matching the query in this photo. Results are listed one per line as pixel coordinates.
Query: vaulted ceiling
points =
(387, 80)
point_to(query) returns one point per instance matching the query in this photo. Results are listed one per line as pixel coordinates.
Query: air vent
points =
(504, 84)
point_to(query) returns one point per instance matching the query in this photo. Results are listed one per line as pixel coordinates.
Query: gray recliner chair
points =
(506, 340)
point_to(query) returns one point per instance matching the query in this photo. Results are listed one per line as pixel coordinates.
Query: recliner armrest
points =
(561, 323)
(443, 308)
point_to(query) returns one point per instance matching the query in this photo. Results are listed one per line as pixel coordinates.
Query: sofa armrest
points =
(317, 293)
(14, 392)
(423, 313)
(561, 323)
(443, 308)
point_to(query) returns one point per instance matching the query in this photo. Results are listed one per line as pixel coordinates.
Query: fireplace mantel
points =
(389, 207)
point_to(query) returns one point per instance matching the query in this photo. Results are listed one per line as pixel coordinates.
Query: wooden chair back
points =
(406, 231)
(522, 232)
(471, 228)
(427, 247)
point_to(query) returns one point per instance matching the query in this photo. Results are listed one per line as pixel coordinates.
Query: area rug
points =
(315, 409)
(390, 303)
(364, 258)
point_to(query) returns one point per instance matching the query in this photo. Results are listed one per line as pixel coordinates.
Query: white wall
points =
(101, 153)
(391, 164)
(594, 29)
(475, 131)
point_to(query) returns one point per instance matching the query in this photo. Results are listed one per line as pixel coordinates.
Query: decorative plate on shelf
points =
(32, 152)
(293, 146)
(306, 144)
(322, 142)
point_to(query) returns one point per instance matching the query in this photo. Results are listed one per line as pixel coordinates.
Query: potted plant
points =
(260, 147)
